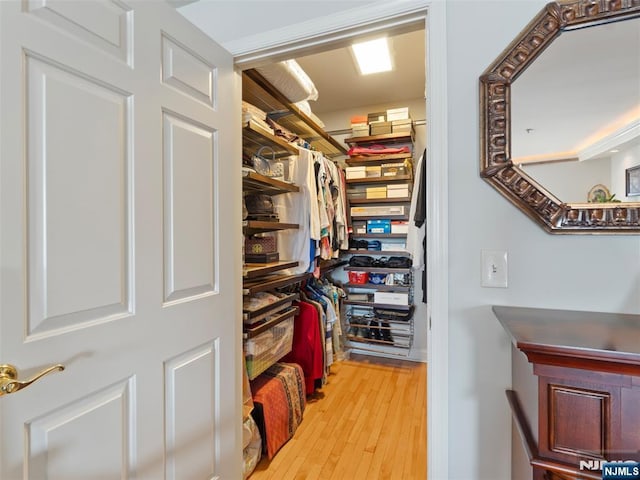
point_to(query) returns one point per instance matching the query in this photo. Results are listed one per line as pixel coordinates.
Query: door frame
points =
(338, 30)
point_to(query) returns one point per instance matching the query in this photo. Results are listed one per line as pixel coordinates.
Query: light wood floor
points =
(369, 422)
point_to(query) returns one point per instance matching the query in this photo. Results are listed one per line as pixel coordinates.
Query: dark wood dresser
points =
(588, 369)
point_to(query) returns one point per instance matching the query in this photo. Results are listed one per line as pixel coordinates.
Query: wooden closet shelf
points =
(250, 332)
(252, 227)
(388, 253)
(255, 136)
(255, 270)
(375, 159)
(365, 201)
(253, 182)
(259, 92)
(394, 179)
(404, 308)
(330, 265)
(384, 138)
(380, 288)
(377, 235)
(377, 269)
(249, 287)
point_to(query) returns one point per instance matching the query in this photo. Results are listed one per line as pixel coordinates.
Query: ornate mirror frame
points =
(496, 166)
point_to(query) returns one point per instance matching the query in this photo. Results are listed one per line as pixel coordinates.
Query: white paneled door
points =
(119, 251)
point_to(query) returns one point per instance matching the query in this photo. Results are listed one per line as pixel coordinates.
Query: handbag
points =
(361, 261)
(393, 315)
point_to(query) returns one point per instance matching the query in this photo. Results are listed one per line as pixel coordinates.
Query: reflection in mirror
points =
(576, 113)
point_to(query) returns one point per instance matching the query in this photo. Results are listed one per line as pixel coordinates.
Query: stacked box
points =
(376, 192)
(376, 117)
(378, 226)
(402, 126)
(378, 211)
(380, 128)
(359, 227)
(401, 113)
(391, 298)
(374, 171)
(399, 226)
(393, 169)
(355, 172)
(400, 190)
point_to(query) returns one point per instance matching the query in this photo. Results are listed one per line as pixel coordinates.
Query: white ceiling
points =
(333, 72)
(583, 91)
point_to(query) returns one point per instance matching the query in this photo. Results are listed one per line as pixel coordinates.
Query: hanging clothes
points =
(416, 238)
(300, 208)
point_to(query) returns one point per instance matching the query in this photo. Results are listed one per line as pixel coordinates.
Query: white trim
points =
(628, 133)
(278, 44)
(437, 244)
(273, 45)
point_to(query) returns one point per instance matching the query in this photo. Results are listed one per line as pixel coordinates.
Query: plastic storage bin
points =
(268, 347)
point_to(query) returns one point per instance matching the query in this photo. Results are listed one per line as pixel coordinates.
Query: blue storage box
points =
(378, 226)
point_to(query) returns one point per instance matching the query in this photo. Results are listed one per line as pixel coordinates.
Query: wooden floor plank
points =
(369, 422)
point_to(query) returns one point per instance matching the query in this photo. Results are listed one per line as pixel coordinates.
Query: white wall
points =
(340, 120)
(599, 273)
(625, 158)
(571, 181)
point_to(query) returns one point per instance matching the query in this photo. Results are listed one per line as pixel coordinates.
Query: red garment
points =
(307, 347)
(377, 150)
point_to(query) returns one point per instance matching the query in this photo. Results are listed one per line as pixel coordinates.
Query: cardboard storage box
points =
(391, 298)
(378, 226)
(377, 117)
(373, 171)
(376, 192)
(399, 226)
(380, 128)
(359, 227)
(360, 130)
(398, 191)
(401, 113)
(398, 126)
(393, 169)
(356, 193)
(355, 172)
(378, 211)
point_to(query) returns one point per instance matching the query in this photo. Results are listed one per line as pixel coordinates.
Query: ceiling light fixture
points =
(615, 150)
(372, 56)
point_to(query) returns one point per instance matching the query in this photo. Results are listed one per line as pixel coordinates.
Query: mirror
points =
(560, 118)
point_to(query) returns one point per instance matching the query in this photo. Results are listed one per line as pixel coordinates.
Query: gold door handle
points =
(9, 382)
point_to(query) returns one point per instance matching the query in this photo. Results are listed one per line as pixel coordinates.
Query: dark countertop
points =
(592, 336)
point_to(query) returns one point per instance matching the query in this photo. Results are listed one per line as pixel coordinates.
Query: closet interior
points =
(333, 247)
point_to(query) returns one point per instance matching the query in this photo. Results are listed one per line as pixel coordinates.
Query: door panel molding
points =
(190, 208)
(76, 124)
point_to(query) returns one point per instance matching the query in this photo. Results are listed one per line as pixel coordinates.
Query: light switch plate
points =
(494, 269)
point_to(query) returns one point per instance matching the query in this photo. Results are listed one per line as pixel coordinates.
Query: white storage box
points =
(376, 192)
(355, 172)
(398, 191)
(391, 298)
(399, 226)
(393, 246)
(378, 211)
(401, 113)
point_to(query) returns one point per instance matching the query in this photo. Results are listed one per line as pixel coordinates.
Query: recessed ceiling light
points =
(614, 151)
(372, 56)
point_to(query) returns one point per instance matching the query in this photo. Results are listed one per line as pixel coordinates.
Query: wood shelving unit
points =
(402, 137)
(253, 182)
(255, 136)
(259, 92)
(394, 179)
(367, 201)
(251, 227)
(249, 287)
(256, 270)
(252, 331)
(379, 235)
(377, 269)
(376, 159)
(381, 288)
(404, 308)
(386, 253)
